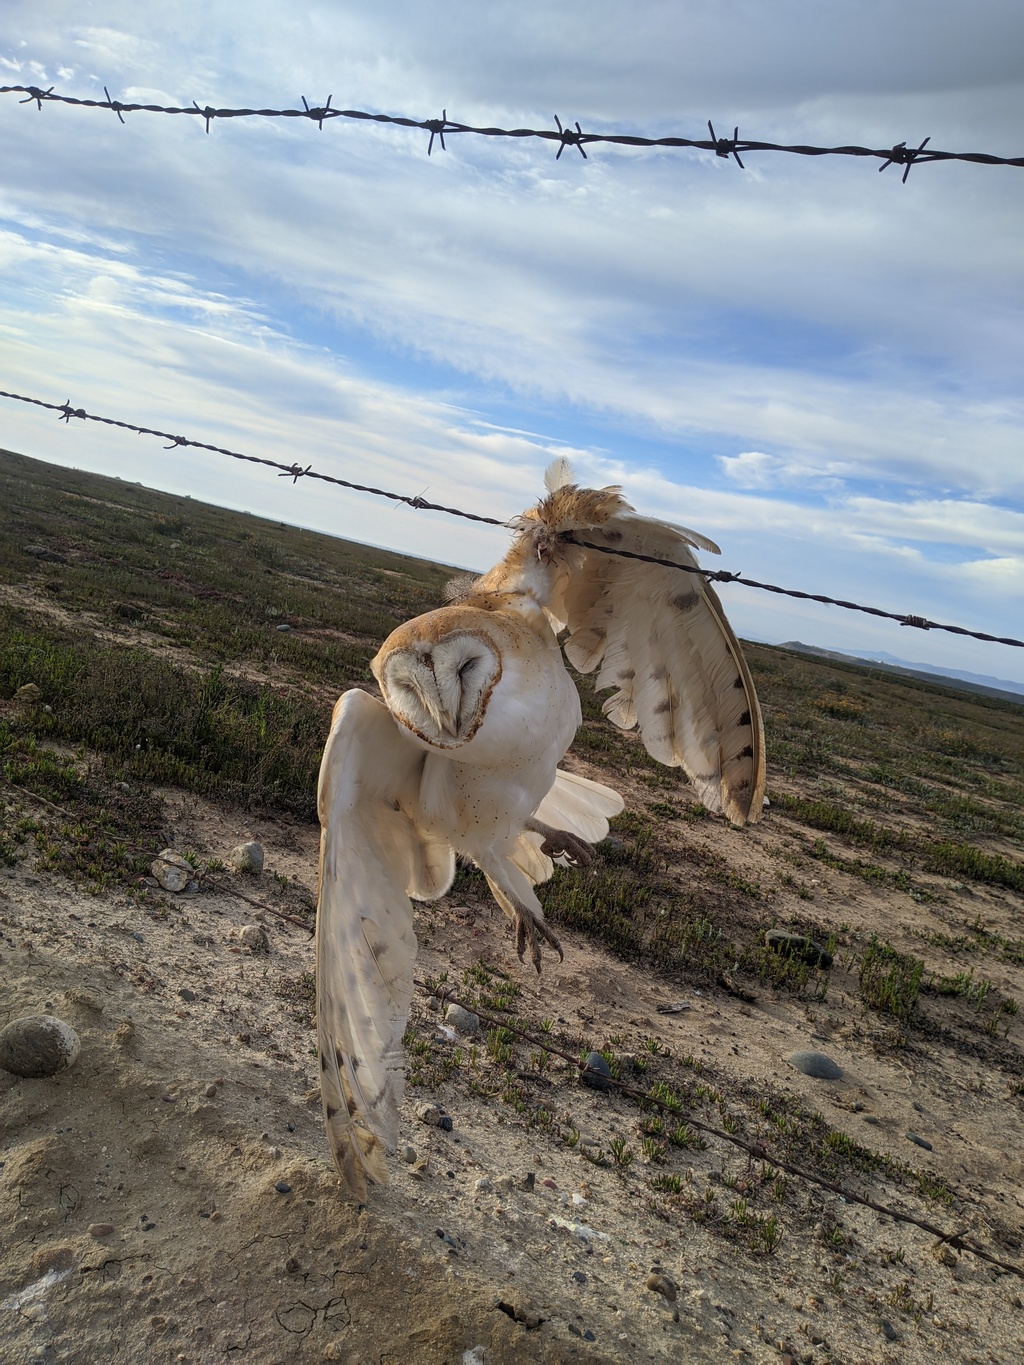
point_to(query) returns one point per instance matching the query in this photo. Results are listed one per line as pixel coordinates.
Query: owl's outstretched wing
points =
(372, 858)
(657, 635)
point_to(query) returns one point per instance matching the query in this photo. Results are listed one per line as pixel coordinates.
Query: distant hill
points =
(889, 663)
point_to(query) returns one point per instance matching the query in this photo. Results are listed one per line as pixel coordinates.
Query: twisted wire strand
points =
(296, 471)
(565, 136)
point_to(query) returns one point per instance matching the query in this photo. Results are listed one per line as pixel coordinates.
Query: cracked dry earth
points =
(169, 1198)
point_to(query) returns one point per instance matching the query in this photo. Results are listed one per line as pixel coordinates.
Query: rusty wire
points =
(897, 155)
(295, 472)
(757, 1151)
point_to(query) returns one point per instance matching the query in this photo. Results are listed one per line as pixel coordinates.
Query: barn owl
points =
(461, 759)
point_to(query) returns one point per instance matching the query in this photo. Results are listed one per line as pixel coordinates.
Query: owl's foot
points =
(528, 930)
(561, 843)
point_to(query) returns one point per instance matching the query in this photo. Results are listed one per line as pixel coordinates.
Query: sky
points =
(813, 364)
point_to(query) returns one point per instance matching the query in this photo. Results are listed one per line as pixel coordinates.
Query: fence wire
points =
(296, 471)
(565, 136)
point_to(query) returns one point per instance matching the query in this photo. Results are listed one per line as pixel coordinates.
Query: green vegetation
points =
(890, 981)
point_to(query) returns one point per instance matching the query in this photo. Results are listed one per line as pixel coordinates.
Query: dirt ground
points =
(170, 1197)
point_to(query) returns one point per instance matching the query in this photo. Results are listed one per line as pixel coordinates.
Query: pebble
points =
(38, 1045)
(429, 1114)
(283, 1187)
(171, 870)
(660, 1283)
(248, 857)
(100, 1229)
(484, 1184)
(255, 938)
(284, 627)
(798, 945)
(29, 693)
(921, 1142)
(815, 1064)
(598, 1065)
(408, 1154)
(187, 995)
(890, 1331)
(579, 1277)
(445, 1124)
(465, 1021)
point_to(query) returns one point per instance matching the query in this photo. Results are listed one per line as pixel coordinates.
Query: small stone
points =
(28, 694)
(579, 1277)
(429, 1114)
(291, 1265)
(171, 870)
(921, 1142)
(100, 1229)
(408, 1154)
(255, 938)
(283, 1187)
(483, 1184)
(662, 1284)
(816, 1065)
(597, 1073)
(890, 1331)
(465, 1021)
(798, 945)
(248, 858)
(211, 1092)
(945, 1253)
(53, 1258)
(284, 627)
(187, 995)
(38, 1045)
(445, 1124)
(529, 1180)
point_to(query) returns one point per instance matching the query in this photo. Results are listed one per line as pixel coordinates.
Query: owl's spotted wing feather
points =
(656, 635)
(372, 858)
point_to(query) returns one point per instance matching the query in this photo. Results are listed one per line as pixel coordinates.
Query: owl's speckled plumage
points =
(461, 758)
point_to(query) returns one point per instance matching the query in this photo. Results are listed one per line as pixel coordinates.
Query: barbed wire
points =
(296, 471)
(758, 1151)
(565, 136)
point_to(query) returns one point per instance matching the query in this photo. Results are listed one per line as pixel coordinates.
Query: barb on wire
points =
(902, 155)
(116, 105)
(437, 127)
(757, 1150)
(419, 503)
(569, 139)
(320, 113)
(726, 146)
(899, 154)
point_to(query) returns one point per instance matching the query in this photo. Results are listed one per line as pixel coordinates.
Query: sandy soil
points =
(169, 1198)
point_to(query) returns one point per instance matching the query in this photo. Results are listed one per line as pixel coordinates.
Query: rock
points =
(462, 1019)
(445, 1124)
(248, 858)
(187, 995)
(815, 1064)
(38, 1045)
(484, 1184)
(283, 627)
(408, 1154)
(100, 1229)
(429, 1114)
(53, 1258)
(798, 945)
(921, 1142)
(890, 1331)
(660, 1283)
(28, 694)
(283, 1187)
(171, 870)
(255, 938)
(45, 554)
(597, 1073)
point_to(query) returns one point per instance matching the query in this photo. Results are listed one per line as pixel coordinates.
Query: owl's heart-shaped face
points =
(439, 689)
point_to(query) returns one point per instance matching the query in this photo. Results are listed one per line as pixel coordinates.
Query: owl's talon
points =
(528, 927)
(562, 843)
